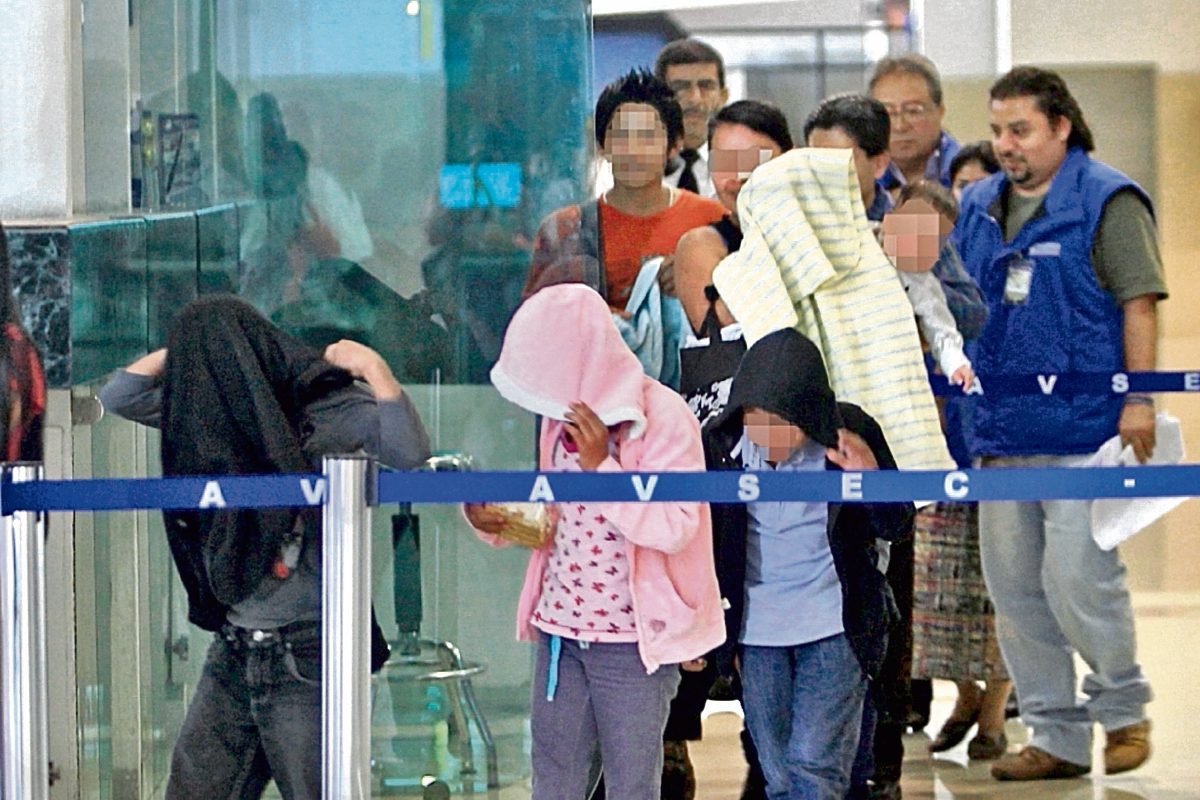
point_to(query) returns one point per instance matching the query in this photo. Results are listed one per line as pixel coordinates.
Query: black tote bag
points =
(706, 371)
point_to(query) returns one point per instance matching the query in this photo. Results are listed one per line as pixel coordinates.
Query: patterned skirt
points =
(954, 630)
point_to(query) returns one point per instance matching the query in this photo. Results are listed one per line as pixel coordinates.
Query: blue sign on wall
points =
(480, 186)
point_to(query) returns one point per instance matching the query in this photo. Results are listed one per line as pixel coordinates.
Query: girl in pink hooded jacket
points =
(625, 591)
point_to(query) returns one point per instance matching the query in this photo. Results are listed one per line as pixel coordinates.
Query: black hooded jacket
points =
(234, 392)
(238, 396)
(785, 374)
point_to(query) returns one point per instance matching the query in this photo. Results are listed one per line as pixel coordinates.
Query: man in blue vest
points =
(1064, 250)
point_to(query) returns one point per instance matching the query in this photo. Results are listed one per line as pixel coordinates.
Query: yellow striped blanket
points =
(810, 261)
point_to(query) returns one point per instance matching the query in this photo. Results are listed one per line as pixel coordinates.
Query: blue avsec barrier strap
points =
(740, 487)
(1072, 383)
(717, 487)
(114, 494)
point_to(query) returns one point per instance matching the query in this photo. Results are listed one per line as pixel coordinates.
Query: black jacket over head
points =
(235, 389)
(785, 374)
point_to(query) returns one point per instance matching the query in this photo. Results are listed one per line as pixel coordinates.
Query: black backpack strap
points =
(710, 328)
(591, 239)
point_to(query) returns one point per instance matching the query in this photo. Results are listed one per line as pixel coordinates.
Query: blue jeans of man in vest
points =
(1057, 593)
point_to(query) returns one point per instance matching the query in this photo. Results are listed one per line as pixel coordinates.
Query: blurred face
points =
(636, 144)
(773, 433)
(967, 174)
(1029, 146)
(868, 168)
(698, 89)
(913, 235)
(734, 153)
(916, 119)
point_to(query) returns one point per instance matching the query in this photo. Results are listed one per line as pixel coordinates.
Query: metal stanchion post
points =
(346, 677)
(25, 759)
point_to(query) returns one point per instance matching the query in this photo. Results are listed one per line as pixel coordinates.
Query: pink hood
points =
(562, 347)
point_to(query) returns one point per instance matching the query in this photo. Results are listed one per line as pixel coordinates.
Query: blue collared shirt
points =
(882, 204)
(937, 168)
(793, 593)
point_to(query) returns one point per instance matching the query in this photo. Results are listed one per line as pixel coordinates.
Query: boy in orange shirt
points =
(639, 126)
(605, 242)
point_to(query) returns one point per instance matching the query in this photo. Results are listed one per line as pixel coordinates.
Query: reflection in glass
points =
(323, 141)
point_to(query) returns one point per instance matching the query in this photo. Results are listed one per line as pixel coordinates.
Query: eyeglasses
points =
(909, 112)
(704, 86)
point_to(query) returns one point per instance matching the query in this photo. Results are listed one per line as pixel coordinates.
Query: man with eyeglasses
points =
(696, 73)
(911, 89)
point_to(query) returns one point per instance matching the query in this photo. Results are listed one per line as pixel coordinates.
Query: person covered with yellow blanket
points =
(809, 261)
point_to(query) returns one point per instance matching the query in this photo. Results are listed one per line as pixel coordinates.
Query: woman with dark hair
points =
(954, 629)
(974, 162)
(742, 136)
(234, 395)
(22, 382)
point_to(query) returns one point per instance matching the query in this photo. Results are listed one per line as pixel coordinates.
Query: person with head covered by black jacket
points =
(807, 608)
(234, 395)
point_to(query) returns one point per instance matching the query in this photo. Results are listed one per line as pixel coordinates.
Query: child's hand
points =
(964, 376)
(694, 665)
(666, 276)
(852, 453)
(590, 435)
(485, 518)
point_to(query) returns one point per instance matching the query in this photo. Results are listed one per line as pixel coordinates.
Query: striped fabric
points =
(809, 261)
(954, 623)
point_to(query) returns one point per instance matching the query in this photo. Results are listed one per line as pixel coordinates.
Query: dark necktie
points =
(687, 178)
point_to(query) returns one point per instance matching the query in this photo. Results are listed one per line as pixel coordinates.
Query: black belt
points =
(264, 637)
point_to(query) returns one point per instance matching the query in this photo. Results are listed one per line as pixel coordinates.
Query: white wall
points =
(793, 14)
(960, 37)
(1162, 32)
(35, 93)
(106, 104)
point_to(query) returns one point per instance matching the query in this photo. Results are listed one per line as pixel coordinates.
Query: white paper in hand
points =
(1113, 519)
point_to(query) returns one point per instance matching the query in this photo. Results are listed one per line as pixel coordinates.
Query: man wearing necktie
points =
(696, 73)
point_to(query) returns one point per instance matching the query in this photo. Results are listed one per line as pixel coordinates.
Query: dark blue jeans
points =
(256, 716)
(804, 707)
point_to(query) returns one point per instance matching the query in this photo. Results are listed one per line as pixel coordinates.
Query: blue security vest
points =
(1067, 324)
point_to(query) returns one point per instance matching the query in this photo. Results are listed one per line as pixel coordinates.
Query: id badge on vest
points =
(1018, 281)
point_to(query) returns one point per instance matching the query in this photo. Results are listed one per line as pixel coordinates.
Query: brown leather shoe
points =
(953, 732)
(1127, 748)
(1035, 764)
(987, 748)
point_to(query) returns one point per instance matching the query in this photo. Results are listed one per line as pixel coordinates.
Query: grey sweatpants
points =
(604, 697)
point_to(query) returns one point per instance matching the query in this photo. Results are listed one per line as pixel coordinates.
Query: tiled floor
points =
(1170, 652)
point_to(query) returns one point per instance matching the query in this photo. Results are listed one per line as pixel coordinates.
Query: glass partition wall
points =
(373, 170)
(390, 160)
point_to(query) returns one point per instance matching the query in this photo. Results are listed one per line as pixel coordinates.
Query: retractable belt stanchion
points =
(346, 611)
(347, 492)
(23, 741)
